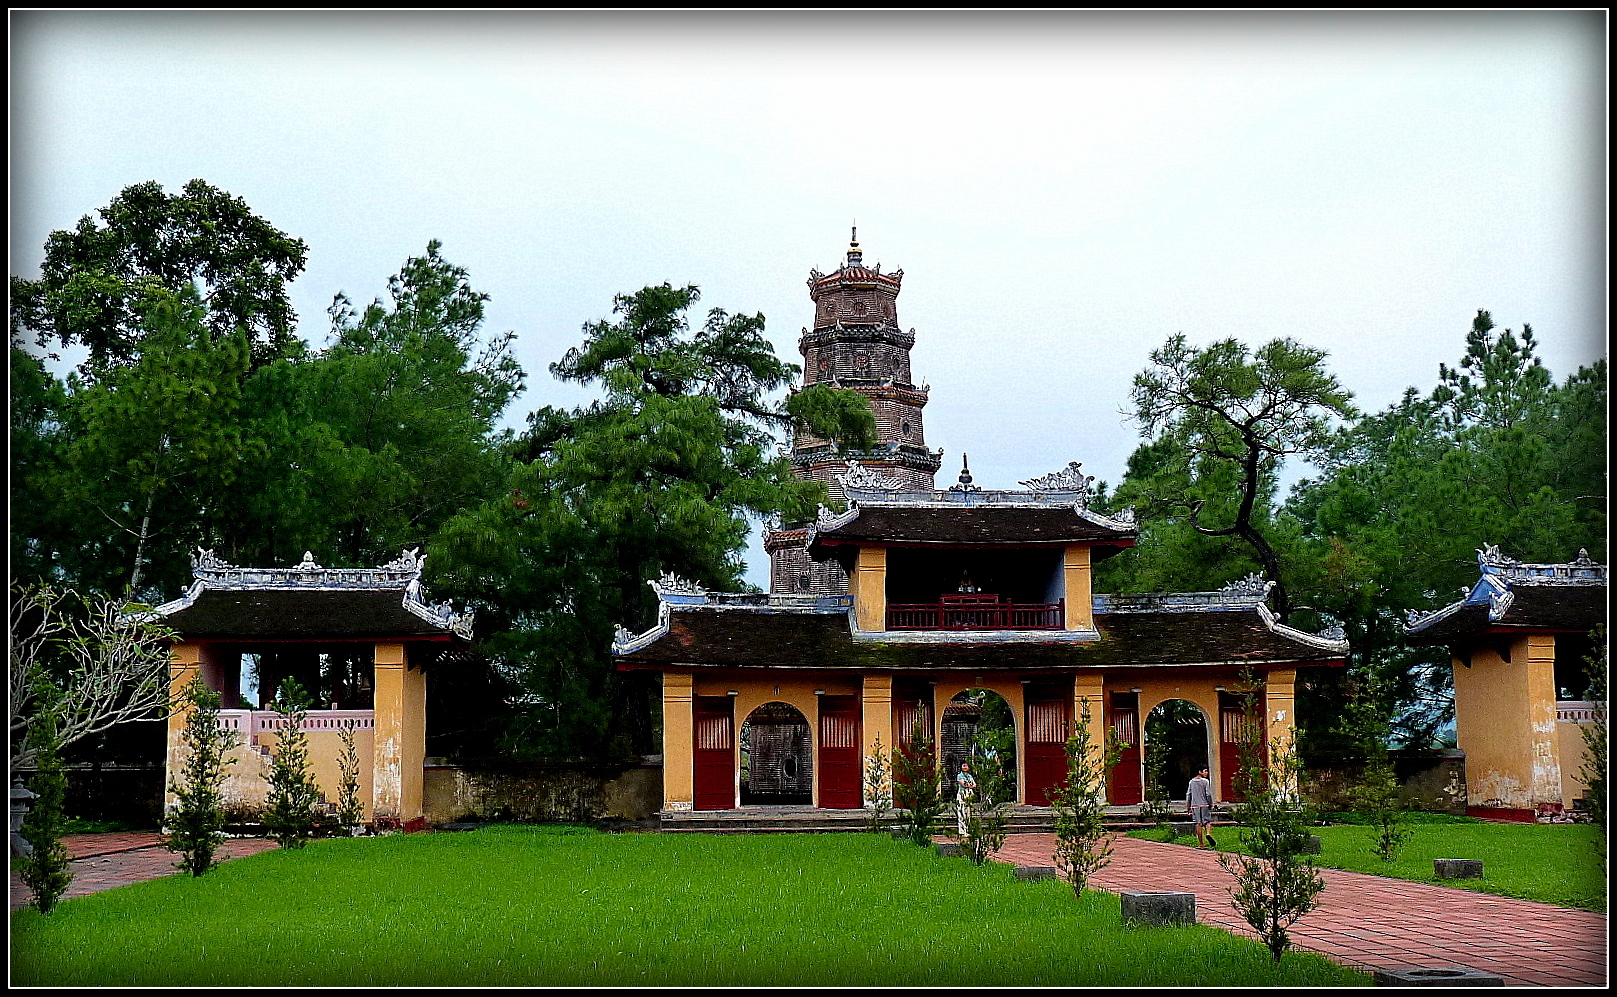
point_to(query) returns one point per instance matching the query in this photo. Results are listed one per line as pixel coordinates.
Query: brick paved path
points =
(1371, 922)
(103, 861)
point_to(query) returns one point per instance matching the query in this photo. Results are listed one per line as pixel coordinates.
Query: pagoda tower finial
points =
(856, 256)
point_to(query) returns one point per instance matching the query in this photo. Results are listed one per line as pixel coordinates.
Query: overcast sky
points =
(1063, 193)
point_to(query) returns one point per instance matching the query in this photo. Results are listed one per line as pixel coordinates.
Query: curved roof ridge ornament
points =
(1301, 636)
(1069, 479)
(858, 477)
(669, 583)
(624, 642)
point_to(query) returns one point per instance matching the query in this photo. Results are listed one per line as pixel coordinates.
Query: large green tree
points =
(1495, 453)
(97, 278)
(1226, 408)
(664, 473)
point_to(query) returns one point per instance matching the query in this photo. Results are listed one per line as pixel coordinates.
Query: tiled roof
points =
(308, 602)
(727, 636)
(943, 524)
(1510, 595)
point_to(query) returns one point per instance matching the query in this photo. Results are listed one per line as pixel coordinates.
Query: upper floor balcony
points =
(976, 611)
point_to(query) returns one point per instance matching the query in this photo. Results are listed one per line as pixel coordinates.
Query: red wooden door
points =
(1125, 783)
(714, 753)
(1046, 764)
(1235, 726)
(840, 759)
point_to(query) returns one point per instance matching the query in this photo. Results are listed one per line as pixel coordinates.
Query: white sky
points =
(1063, 192)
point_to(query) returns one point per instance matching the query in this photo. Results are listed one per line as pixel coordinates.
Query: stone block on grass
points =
(1457, 868)
(1182, 828)
(949, 849)
(1314, 845)
(1036, 872)
(1436, 976)
(1158, 907)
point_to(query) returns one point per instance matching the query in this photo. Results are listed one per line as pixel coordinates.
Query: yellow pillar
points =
(877, 719)
(401, 735)
(868, 586)
(1280, 698)
(184, 665)
(1080, 612)
(1089, 689)
(1544, 786)
(679, 743)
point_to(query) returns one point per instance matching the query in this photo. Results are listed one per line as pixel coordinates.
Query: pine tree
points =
(350, 812)
(915, 788)
(195, 827)
(289, 813)
(1083, 847)
(45, 870)
(878, 785)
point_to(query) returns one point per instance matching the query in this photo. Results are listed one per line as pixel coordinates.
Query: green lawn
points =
(532, 906)
(1551, 863)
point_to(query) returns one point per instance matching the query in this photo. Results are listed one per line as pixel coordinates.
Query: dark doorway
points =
(777, 755)
(1183, 728)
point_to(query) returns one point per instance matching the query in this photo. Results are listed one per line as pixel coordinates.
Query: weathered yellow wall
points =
(1080, 603)
(400, 746)
(1280, 699)
(1574, 753)
(184, 665)
(867, 583)
(679, 744)
(1505, 721)
(325, 761)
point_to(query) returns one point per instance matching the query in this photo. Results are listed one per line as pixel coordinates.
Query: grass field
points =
(558, 906)
(1551, 863)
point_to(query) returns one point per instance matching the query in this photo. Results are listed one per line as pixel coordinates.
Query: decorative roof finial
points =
(965, 484)
(856, 256)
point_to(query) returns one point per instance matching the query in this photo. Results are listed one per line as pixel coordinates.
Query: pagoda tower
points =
(855, 343)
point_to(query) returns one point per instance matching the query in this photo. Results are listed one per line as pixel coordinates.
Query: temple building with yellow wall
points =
(358, 639)
(1519, 642)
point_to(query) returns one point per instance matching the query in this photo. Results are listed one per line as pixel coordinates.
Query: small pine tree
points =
(916, 793)
(289, 814)
(1276, 882)
(878, 786)
(986, 808)
(350, 812)
(1376, 795)
(1083, 847)
(46, 870)
(195, 826)
(1157, 806)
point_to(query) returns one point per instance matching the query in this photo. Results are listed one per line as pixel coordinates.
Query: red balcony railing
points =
(976, 612)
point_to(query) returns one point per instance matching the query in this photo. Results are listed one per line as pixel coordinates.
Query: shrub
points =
(1083, 847)
(916, 792)
(46, 870)
(985, 809)
(350, 812)
(195, 826)
(878, 784)
(1276, 883)
(289, 810)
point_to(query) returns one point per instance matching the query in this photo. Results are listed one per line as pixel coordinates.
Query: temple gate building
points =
(931, 610)
(1518, 641)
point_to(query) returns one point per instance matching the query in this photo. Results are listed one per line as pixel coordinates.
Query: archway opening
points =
(1175, 745)
(777, 757)
(979, 727)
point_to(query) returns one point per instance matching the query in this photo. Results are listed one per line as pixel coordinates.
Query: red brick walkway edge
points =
(1370, 922)
(103, 861)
